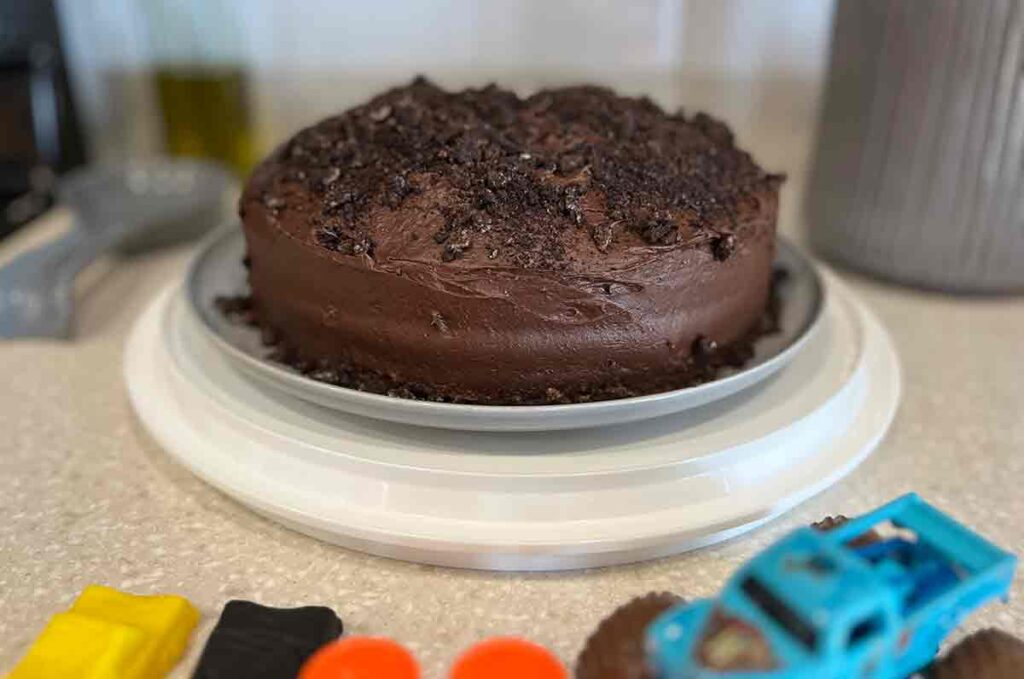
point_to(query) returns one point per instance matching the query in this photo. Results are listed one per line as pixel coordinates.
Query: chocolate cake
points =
(480, 247)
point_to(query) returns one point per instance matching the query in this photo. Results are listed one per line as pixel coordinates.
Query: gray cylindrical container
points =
(919, 169)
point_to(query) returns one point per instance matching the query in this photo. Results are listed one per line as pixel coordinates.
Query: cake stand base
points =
(527, 500)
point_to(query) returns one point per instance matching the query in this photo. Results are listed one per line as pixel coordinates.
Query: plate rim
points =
(337, 392)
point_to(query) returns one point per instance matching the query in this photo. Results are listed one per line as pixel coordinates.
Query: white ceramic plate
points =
(518, 500)
(217, 270)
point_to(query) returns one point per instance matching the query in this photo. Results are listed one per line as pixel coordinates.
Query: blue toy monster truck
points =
(837, 603)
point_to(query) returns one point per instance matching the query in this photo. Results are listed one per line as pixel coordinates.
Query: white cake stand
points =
(527, 500)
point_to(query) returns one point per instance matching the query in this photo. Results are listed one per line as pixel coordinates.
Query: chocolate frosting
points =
(479, 247)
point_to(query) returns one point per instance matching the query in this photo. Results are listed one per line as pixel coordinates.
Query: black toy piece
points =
(260, 642)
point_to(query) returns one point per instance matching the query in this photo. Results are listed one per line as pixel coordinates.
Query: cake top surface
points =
(527, 182)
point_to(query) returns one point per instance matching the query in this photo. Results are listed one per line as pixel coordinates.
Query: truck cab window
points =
(865, 630)
(780, 612)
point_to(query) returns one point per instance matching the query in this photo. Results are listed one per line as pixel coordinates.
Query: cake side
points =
(545, 264)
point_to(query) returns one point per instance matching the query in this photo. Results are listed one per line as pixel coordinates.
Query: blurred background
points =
(231, 78)
(900, 124)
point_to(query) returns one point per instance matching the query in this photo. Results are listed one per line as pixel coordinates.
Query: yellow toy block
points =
(73, 645)
(108, 634)
(167, 620)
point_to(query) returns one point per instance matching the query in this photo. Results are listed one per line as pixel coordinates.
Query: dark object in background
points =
(260, 642)
(40, 135)
(920, 155)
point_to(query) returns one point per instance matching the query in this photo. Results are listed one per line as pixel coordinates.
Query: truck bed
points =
(944, 566)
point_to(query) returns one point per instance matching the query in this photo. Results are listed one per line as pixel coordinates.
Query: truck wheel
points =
(616, 648)
(988, 654)
(830, 522)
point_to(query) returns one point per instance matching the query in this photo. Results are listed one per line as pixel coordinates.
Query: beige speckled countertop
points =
(86, 496)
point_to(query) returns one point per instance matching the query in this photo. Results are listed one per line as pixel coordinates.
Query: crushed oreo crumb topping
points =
(513, 175)
(723, 246)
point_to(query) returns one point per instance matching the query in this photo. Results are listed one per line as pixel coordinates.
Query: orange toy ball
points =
(361, 658)
(508, 658)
